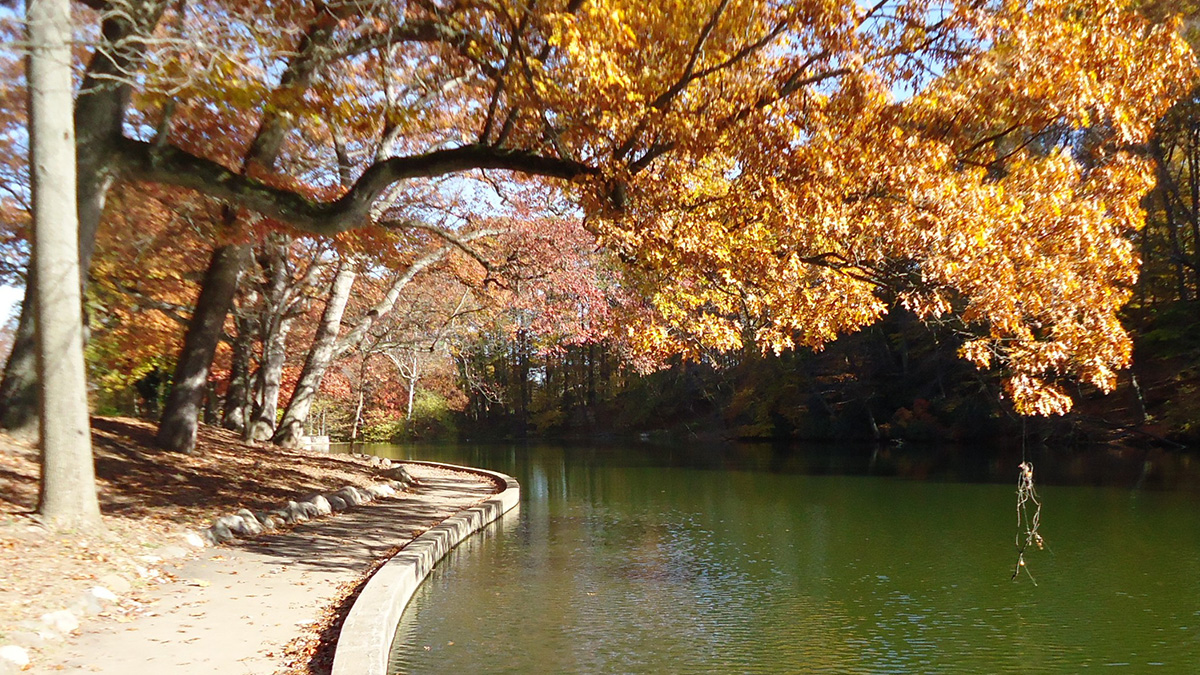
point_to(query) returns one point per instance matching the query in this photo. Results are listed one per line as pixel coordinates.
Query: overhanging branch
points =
(171, 166)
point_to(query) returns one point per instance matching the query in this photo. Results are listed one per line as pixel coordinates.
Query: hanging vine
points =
(1027, 523)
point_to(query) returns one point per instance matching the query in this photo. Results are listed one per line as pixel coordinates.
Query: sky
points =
(10, 301)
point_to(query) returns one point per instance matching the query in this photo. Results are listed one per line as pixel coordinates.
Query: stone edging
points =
(246, 523)
(55, 626)
(365, 642)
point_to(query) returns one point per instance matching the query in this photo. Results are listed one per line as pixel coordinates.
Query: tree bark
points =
(270, 374)
(18, 389)
(68, 484)
(141, 160)
(237, 395)
(177, 429)
(211, 404)
(274, 324)
(412, 391)
(320, 355)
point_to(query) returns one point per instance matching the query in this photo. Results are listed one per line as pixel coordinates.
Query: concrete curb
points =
(365, 642)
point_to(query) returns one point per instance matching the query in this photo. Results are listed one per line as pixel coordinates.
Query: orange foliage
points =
(768, 173)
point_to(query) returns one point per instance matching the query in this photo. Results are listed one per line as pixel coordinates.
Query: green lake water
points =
(653, 560)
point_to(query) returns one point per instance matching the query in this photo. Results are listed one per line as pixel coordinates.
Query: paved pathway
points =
(236, 606)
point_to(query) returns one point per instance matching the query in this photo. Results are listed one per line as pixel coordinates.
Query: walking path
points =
(235, 606)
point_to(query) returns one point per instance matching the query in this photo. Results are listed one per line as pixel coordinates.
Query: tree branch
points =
(172, 166)
(459, 242)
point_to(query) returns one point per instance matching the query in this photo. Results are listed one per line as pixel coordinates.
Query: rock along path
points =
(236, 606)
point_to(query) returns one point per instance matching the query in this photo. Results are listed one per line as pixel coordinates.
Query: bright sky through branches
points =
(10, 301)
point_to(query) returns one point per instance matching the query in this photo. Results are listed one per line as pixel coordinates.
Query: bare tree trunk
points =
(409, 369)
(274, 325)
(358, 411)
(177, 429)
(68, 478)
(412, 389)
(237, 395)
(319, 357)
(270, 376)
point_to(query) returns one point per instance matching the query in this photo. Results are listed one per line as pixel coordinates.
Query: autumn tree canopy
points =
(769, 173)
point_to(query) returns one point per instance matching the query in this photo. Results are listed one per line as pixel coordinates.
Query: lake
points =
(659, 559)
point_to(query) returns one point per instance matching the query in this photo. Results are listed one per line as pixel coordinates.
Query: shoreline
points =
(365, 640)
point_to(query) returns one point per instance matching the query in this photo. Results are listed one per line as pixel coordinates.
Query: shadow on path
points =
(237, 606)
(368, 532)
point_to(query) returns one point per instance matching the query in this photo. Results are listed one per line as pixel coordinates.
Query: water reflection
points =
(626, 561)
(1136, 468)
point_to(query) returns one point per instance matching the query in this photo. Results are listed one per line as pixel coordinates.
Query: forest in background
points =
(519, 323)
(898, 380)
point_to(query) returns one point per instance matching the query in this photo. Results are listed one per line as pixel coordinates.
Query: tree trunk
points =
(237, 395)
(412, 390)
(177, 429)
(18, 390)
(99, 114)
(211, 404)
(320, 355)
(68, 480)
(521, 380)
(270, 376)
(1176, 256)
(409, 369)
(358, 333)
(591, 374)
(273, 324)
(358, 411)
(316, 364)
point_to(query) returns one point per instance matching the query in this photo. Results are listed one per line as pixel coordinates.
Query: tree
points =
(327, 347)
(177, 428)
(752, 160)
(144, 281)
(756, 149)
(284, 296)
(68, 491)
(998, 195)
(320, 355)
(99, 110)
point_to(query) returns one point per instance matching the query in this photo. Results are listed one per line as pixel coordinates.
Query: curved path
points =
(236, 606)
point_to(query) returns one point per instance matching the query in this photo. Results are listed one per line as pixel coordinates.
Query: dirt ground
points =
(149, 499)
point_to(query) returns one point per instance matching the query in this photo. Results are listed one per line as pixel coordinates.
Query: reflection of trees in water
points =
(1154, 469)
